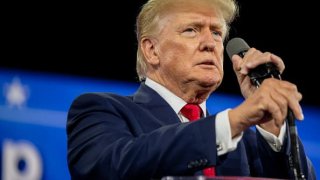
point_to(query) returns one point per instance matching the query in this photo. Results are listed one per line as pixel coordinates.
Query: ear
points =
(148, 47)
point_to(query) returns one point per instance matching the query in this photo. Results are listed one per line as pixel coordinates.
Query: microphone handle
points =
(294, 157)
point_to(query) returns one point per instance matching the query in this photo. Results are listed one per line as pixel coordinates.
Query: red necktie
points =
(193, 112)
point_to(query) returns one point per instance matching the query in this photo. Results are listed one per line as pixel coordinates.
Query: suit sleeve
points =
(105, 142)
(276, 164)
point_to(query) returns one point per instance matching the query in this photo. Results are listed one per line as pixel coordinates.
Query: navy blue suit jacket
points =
(141, 137)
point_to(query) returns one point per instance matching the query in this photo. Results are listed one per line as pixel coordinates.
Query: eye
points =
(217, 35)
(189, 32)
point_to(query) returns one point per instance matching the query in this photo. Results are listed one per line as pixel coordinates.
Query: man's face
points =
(190, 48)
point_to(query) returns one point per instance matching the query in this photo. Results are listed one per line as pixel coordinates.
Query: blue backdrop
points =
(33, 112)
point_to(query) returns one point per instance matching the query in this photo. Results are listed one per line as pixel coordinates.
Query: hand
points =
(266, 106)
(251, 60)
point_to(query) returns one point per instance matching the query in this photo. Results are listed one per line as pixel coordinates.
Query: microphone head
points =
(236, 46)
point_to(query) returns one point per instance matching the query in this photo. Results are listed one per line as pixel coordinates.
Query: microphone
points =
(257, 75)
(240, 47)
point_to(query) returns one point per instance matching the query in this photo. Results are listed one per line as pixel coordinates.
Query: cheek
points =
(175, 63)
(175, 54)
(220, 61)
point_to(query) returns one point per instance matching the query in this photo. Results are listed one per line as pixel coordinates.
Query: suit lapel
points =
(153, 102)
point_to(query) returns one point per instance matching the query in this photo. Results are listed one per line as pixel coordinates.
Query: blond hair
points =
(151, 12)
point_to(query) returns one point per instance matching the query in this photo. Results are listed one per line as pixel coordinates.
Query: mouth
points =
(207, 63)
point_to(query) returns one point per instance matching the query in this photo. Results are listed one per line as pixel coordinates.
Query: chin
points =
(211, 81)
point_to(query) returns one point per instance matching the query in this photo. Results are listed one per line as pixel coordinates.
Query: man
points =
(180, 63)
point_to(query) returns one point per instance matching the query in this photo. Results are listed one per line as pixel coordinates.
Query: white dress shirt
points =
(225, 142)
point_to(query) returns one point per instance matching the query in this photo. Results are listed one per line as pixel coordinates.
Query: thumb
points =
(236, 62)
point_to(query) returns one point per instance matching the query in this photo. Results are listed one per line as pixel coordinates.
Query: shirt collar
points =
(174, 101)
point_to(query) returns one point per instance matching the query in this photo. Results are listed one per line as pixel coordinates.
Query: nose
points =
(207, 42)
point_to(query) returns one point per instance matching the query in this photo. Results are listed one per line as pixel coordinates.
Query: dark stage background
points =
(98, 40)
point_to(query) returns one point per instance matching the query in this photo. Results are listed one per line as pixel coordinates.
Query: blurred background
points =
(52, 52)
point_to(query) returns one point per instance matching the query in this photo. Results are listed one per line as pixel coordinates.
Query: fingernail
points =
(302, 116)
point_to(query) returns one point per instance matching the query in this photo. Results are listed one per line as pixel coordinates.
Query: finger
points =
(236, 62)
(276, 109)
(290, 91)
(257, 58)
(278, 62)
(277, 103)
(252, 55)
(296, 109)
(251, 51)
(281, 103)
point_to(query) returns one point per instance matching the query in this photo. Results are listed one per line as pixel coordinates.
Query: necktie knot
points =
(191, 111)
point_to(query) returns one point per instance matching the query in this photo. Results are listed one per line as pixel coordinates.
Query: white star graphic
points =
(16, 94)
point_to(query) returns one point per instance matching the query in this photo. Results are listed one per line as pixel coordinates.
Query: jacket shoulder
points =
(100, 97)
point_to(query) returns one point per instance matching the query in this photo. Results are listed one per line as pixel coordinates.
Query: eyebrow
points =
(201, 24)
